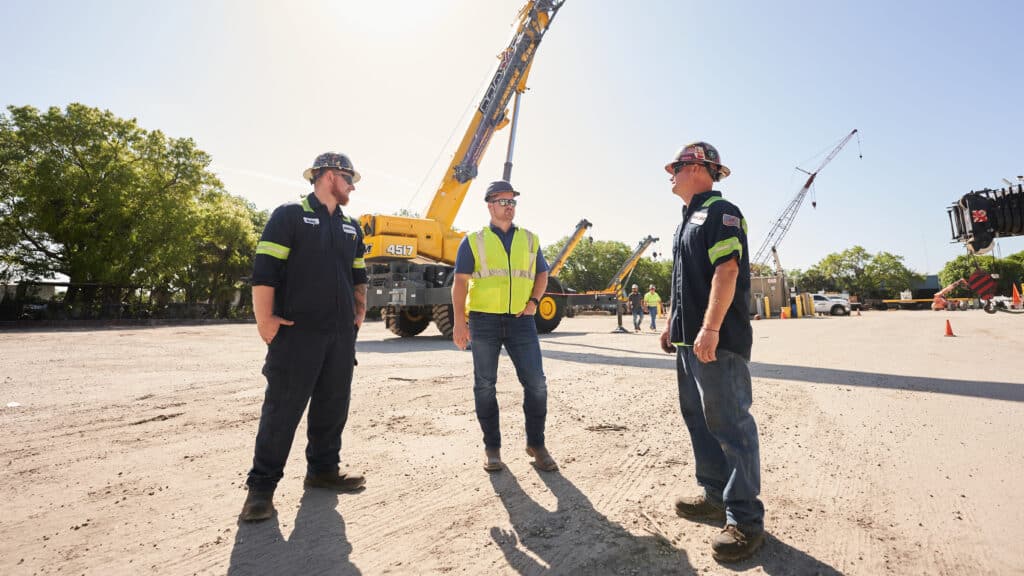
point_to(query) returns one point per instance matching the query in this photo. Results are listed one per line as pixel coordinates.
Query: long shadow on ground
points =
(575, 538)
(317, 545)
(1011, 391)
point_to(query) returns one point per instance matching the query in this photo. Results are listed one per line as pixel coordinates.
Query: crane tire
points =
(406, 321)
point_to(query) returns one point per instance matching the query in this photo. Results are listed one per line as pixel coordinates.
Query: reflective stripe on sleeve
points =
(359, 263)
(724, 247)
(274, 250)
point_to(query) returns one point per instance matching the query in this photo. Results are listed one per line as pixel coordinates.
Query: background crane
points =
(784, 221)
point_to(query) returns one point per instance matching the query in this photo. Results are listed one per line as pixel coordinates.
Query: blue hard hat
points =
(499, 186)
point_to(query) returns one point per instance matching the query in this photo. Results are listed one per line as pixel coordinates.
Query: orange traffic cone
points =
(949, 329)
(1016, 296)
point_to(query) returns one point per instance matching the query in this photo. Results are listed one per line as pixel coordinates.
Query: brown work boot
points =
(733, 544)
(493, 462)
(258, 506)
(542, 459)
(340, 482)
(699, 508)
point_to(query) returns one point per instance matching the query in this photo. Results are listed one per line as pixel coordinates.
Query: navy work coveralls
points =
(313, 260)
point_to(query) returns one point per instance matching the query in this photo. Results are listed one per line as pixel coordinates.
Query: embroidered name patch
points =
(313, 221)
(730, 220)
(348, 229)
(699, 218)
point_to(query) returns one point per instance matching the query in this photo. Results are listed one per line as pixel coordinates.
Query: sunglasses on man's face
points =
(504, 201)
(346, 177)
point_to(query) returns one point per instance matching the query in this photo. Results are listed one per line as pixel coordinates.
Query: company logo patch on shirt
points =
(730, 220)
(348, 229)
(313, 221)
(699, 218)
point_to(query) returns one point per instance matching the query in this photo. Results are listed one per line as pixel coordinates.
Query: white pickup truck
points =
(831, 305)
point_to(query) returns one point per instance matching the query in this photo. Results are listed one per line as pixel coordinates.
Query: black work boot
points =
(259, 505)
(343, 482)
(734, 544)
(700, 508)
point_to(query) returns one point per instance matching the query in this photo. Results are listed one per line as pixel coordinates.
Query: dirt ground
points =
(886, 448)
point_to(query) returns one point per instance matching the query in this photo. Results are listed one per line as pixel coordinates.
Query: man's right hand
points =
(461, 334)
(268, 327)
(666, 342)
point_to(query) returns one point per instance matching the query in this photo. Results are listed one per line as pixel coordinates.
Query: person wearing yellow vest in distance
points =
(309, 298)
(500, 276)
(709, 332)
(653, 302)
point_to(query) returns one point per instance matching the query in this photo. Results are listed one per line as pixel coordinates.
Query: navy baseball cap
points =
(499, 186)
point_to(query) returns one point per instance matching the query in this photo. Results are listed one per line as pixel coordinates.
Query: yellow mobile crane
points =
(553, 304)
(410, 260)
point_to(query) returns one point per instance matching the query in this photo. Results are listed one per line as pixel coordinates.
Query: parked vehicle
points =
(831, 305)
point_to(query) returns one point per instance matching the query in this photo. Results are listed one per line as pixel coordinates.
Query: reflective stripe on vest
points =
(501, 283)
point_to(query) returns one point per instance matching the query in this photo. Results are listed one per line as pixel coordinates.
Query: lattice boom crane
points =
(785, 220)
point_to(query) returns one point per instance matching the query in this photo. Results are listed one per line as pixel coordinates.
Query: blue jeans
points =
(489, 332)
(715, 400)
(653, 311)
(303, 367)
(638, 317)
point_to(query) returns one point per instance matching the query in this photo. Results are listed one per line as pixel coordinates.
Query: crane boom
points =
(627, 267)
(785, 220)
(570, 245)
(432, 238)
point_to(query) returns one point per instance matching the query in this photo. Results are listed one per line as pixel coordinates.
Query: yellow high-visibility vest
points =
(501, 283)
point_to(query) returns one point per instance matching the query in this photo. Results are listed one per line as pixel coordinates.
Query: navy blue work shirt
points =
(713, 232)
(465, 262)
(313, 260)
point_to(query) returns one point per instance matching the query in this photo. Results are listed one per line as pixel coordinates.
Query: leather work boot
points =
(493, 459)
(699, 508)
(733, 544)
(258, 506)
(542, 459)
(346, 482)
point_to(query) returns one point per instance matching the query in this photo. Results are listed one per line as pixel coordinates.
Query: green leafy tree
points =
(95, 197)
(224, 246)
(856, 271)
(885, 276)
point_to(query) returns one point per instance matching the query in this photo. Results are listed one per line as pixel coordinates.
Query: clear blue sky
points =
(935, 89)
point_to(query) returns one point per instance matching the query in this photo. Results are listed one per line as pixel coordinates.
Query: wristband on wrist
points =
(534, 300)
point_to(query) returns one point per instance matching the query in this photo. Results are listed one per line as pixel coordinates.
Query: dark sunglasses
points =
(504, 201)
(346, 177)
(678, 166)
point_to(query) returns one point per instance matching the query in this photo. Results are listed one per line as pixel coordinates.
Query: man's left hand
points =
(530, 309)
(705, 345)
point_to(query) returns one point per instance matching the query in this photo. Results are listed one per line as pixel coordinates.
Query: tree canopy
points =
(97, 198)
(856, 271)
(594, 263)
